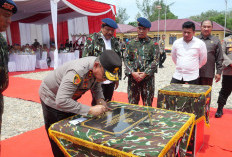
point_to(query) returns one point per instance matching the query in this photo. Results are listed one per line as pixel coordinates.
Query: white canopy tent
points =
(43, 12)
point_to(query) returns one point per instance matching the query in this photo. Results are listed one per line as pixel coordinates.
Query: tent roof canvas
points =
(39, 11)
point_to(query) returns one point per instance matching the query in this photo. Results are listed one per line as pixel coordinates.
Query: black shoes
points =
(161, 66)
(219, 112)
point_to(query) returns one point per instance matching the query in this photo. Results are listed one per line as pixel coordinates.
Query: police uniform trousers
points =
(51, 116)
(205, 81)
(108, 91)
(145, 88)
(225, 90)
(162, 58)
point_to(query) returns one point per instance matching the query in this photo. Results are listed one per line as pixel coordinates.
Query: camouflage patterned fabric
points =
(4, 80)
(186, 98)
(3, 64)
(95, 45)
(169, 135)
(142, 55)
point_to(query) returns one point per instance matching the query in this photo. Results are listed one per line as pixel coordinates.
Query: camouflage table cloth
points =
(165, 133)
(186, 98)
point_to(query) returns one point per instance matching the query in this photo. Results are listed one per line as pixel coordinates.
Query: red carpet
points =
(217, 141)
(26, 72)
(33, 143)
(28, 89)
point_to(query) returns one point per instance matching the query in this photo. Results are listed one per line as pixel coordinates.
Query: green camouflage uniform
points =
(95, 45)
(3, 72)
(141, 55)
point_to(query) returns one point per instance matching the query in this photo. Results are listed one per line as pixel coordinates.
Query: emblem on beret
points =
(77, 80)
(7, 6)
(116, 70)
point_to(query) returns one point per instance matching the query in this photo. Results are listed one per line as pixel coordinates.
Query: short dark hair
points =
(206, 20)
(189, 24)
(104, 24)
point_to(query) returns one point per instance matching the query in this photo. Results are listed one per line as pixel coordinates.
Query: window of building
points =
(172, 38)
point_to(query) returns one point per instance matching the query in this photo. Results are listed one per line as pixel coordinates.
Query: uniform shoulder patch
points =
(77, 80)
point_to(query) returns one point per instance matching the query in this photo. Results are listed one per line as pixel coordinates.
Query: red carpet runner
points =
(217, 140)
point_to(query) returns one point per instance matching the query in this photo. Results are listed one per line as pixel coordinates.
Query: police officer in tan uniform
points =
(63, 86)
(7, 9)
(227, 75)
(162, 51)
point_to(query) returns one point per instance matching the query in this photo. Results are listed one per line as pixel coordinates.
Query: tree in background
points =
(122, 16)
(215, 16)
(150, 11)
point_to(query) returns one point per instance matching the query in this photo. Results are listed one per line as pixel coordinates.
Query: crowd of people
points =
(100, 66)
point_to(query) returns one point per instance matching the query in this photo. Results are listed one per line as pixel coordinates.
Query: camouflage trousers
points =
(144, 88)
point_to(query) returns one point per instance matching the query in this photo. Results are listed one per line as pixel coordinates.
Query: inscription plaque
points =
(117, 121)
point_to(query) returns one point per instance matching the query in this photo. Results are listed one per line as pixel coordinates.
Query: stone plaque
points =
(117, 121)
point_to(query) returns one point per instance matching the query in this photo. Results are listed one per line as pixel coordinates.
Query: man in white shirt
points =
(189, 54)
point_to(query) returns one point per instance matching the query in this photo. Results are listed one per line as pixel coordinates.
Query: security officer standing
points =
(62, 87)
(226, 77)
(7, 9)
(141, 61)
(96, 44)
(214, 55)
(162, 51)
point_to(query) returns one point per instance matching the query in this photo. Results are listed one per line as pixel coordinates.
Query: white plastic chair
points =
(51, 54)
(42, 63)
(76, 53)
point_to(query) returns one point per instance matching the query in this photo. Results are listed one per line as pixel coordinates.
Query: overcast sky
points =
(181, 8)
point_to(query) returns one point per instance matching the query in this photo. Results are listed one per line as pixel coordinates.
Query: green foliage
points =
(122, 16)
(133, 24)
(215, 16)
(150, 11)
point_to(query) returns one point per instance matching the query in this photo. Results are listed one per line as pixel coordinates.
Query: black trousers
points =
(51, 116)
(205, 81)
(225, 90)
(196, 82)
(108, 91)
(162, 58)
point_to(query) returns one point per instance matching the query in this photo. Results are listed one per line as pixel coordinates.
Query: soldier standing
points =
(96, 44)
(141, 62)
(7, 8)
(226, 77)
(162, 51)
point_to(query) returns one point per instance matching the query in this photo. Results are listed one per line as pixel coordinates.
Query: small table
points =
(188, 98)
(125, 131)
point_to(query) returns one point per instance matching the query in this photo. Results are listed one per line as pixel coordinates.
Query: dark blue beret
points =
(110, 22)
(144, 22)
(8, 5)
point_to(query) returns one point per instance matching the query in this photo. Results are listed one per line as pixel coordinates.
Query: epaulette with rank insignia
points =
(77, 80)
(90, 74)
